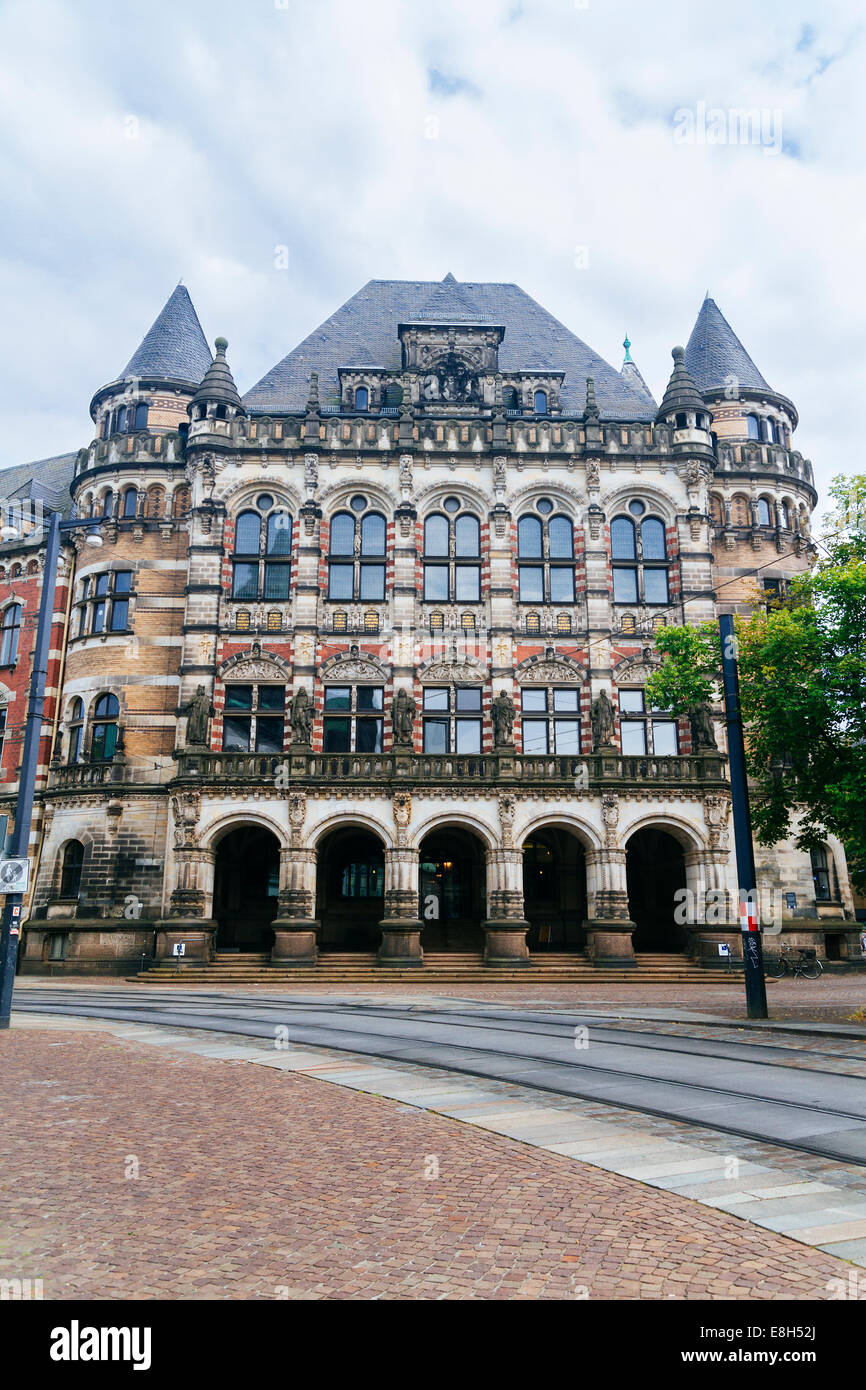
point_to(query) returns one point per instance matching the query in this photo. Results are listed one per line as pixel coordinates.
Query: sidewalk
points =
(143, 1171)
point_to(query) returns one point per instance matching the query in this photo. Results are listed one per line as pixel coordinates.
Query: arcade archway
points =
(350, 896)
(453, 890)
(655, 870)
(246, 889)
(554, 890)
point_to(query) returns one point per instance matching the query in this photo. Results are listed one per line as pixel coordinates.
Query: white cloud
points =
(142, 144)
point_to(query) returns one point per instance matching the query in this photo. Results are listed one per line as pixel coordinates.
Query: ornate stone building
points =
(356, 662)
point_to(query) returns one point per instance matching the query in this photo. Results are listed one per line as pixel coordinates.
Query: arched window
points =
(130, 502)
(752, 429)
(511, 398)
(75, 724)
(640, 563)
(70, 872)
(541, 402)
(10, 631)
(392, 396)
(545, 553)
(140, 422)
(763, 512)
(122, 415)
(104, 730)
(357, 544)
(784, 516)
(821, 875)
(768, 431)
(452, 555)
(362, 398)
(108, 504)
(262, 559)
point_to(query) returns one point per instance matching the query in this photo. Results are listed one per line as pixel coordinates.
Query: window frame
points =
(254, 715)
(267, 567)
(648, 719)
(11, 622)
(457, 567)
(458, 721)
(546, 564)
(354, 715)
(551, 720)
(365, 568)
(639, 566)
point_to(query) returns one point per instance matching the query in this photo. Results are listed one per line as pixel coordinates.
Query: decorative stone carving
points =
(610, 816)
(716, 814)
(401, 807)
(603, 719)
(311, 473)
(186, 807)
(549, 671)
(507, 808)
(502, 710)
(198, 712)
(500, 474)
(297, 817)
(406, 480)
(403, 718)
(458, 672)
(593, 475)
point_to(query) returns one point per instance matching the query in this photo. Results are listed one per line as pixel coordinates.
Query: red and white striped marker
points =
(749, 916)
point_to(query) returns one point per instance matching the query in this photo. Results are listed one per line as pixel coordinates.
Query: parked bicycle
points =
(805, 965)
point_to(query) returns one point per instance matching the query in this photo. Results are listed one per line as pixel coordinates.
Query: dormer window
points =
(541, 402)
(392, 396)
(362, 398)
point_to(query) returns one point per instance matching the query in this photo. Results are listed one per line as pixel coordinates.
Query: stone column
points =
(295, 927)
(189, 919)
(505, 928)
(608, 928)
(401, 925)
(706, 874)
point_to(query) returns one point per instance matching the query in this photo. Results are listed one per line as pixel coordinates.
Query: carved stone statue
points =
(301, 717)
(603, 717)
(701, 721)
(403, 718)
(502, 710)
(198, 711)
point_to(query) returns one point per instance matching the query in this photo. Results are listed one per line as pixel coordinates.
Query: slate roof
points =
(174, 346)
(363, 333)
(218, 384)
(714, 353)
(681, 392)
(45, 479)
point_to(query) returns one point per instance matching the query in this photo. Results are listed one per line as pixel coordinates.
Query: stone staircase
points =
(355, 968)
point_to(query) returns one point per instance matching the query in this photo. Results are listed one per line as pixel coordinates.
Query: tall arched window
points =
(510, 398)
(452, 555)
(262, 559)
(764, 515)
(130, 502)
(752, 429)
(356, 551)
(362, 398)
(104, 730)
(70, 872)
(541, 402)
(639, 556)
(108, 503)
(768, 431)
(821, 875)
(75, 723)
(10, 631)
(545, 553)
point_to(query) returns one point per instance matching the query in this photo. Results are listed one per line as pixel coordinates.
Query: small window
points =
(764, 518)
(140, 422)
(70, 875)
(362, 398)
(10, 631)
(752, 429)
(533, 622)
(242, 620)
(275, 620)
(541, 402)
(130, 502)
(340, 621)
(821, 875)
(104, 740)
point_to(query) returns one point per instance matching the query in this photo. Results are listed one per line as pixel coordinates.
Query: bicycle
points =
(804, 966)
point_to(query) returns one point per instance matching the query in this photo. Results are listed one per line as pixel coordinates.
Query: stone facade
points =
(367, 669)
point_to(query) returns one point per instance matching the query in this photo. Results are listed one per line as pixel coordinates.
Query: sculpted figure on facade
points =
(301, 718)
(403, 718)
(198, 712)
(701, 723)
(603, 718)
(502, 709)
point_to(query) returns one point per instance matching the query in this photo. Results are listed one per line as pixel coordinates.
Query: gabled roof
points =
(714, 354)
(174, 346)
(47, 480)
(363, 333)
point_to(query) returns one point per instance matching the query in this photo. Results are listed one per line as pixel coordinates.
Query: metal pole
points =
(753, 958)
(10, 929)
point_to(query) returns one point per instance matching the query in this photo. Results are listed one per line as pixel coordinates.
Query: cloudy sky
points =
(539, 141)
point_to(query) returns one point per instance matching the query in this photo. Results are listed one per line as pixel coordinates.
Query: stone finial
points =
(591, 409)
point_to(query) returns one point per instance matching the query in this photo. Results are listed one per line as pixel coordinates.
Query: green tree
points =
(802, 667)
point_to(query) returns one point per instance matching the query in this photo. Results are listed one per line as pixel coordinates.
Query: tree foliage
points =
(802, 669)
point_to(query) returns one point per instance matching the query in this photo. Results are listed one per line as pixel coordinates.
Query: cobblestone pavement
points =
(253, 1183)
(832, 999)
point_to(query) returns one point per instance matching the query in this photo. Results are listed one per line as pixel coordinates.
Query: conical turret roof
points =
(681, 393)
(714, 354)
(174, 346)
(218, 383)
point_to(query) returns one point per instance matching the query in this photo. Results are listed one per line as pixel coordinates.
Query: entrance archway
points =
(554, 890)
(655, 869)
(246, 889)
(453, 890)
(350, 882)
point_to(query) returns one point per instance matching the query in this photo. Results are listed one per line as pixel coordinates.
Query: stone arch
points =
(217, 830)
(243, 494)
(442, 820)
(457, 669)
(254, 665)
(430, 498)
(354, 665)
(552, 667)
(336, 496)
(565, 497)
(658, 502)
(689, 838)
(344, 820)
(587, 834)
